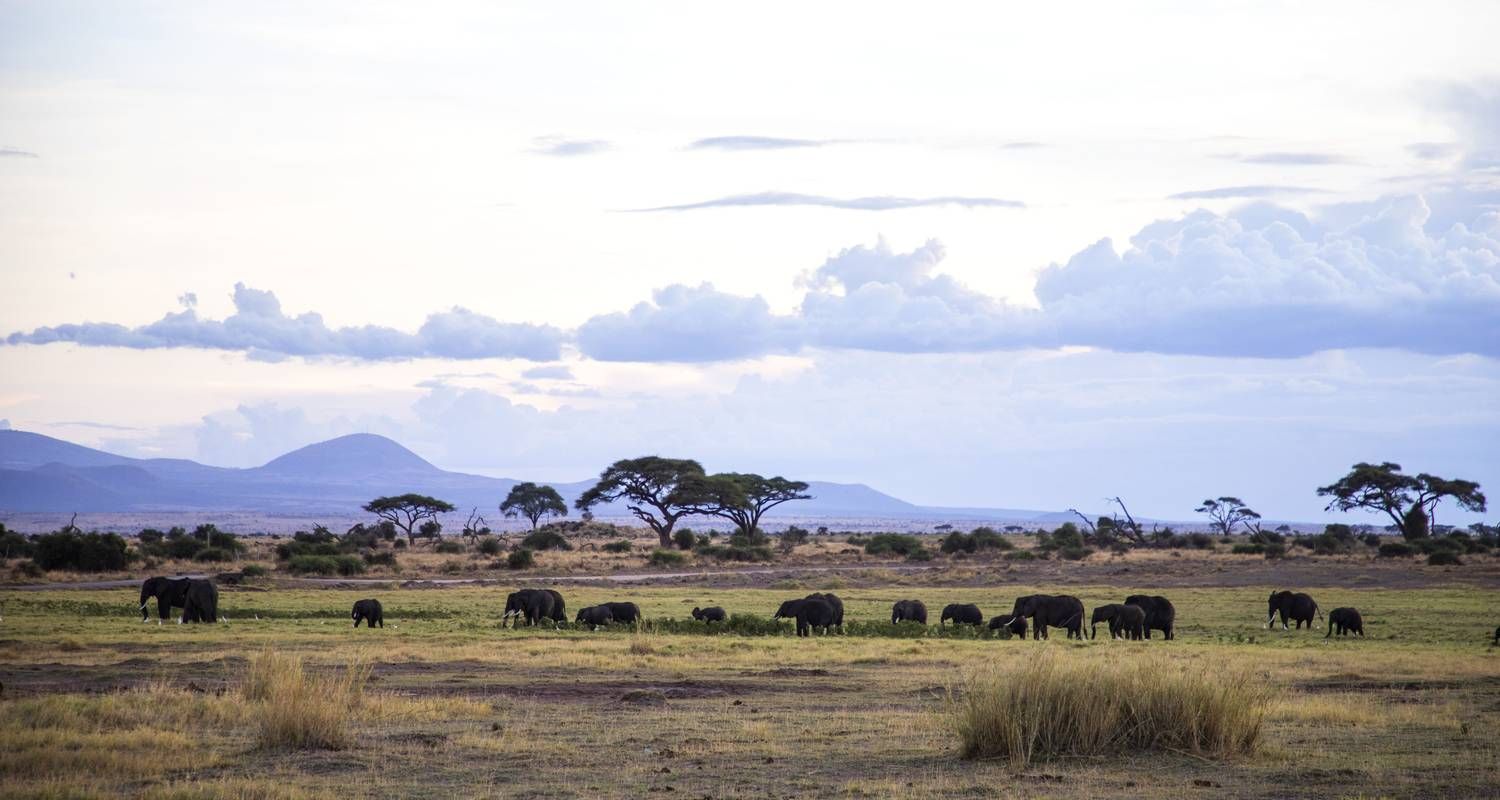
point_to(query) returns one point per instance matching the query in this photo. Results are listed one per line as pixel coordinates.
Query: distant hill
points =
(42, 474)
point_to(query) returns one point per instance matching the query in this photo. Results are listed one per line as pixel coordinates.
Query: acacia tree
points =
(744, 497)
(1227, 512)
(408, 512)
(533, 502)
(1410, 501)
(658, 491)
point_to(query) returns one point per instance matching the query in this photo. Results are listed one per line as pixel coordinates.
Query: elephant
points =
(835, 603)
(1125, 621)
(169, 593)
(961, 614)
(1016, 625)
(201, 603)
(368, 611)
(1160, 614)
(1296, 606)
(1497, 637)
(1346, 620)
(627, 613)
(594, 616)
(1056, 611)
(710, 614)
(534, 605)
(909, 611)
(810, 613)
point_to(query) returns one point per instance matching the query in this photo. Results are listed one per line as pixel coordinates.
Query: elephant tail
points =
(1318, 611)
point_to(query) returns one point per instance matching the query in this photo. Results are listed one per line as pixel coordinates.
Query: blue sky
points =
(971, 256)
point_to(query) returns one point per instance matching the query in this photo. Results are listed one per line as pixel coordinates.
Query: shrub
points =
(898, 543)
(382, 558)
(1248, 549)
(1395, 550)
(213, 555)
(449, 547)
(83, 552)
(1444, 558)
(14, 544)
(1274, 551)
(399, 544)
(793, 536)
(622, 546)
(296, 710)
(254, 571)
(523, 558)
(684, 539)
(490, 546)
(1075, 553)
(1200, 541)
(1414, 524)
(1059, 708)
(345, 565)
(666, 558)
(150, 536)
(1020, 555)
(735, 552)
(1067, 535)
(546, 540)
(919, 555)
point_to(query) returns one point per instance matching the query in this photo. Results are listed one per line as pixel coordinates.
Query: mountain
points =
(40, 473)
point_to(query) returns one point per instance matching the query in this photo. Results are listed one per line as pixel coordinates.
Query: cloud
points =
(5, 425)
(688, 324)
(738, 143)
(1474, 109)
(188, 299)
(880, 203)
(260, 329)
(1229, 192)
(1022, 145)
(556, 372)
(1261, 282)
(1432, 151)
(103, 426)
(559, 146)
(10, 152)
(1289, 158)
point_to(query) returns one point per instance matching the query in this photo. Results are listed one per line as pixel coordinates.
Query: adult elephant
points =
(594, 616)
(1051, 611)
(833, 602)
(1160, 614)
(1346, 620)
(810, 613)
(201, 603)
(628, 613)
(1125, 621)
(534, 605)
(710, 614)
(1016, 625)
(961, 614)
(1296, 606)
(369, 612)
(909, 611)
(169, 593)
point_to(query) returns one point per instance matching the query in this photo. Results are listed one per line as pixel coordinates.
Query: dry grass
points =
(1051, 707)
(296, 709)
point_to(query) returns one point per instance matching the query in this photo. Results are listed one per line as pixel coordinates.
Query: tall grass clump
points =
(1053, 708)
(295, 709)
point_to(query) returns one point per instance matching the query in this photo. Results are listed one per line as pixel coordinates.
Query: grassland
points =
(97, 704)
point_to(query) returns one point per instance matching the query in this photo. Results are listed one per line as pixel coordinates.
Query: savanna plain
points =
(287, 700)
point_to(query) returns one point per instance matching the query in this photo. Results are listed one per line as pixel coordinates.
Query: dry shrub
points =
(1053, 707)
(296, 709)
(641, 646)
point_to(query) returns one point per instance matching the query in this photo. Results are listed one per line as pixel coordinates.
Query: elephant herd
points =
(821, 612)
(1134, 619)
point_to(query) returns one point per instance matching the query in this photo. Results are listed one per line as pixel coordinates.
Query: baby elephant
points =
(710, 614)
(369, 611)
(1345, 621)
(594, 616)
(961, 614)
(1125, 621)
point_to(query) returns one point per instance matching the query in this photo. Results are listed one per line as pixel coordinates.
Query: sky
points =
(973, 255)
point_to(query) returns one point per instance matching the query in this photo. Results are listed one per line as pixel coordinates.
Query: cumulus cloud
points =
(757, 143)
(1262, 281)
(688, 324)
(879, 203)
(1300, 159)
(553, 372)
(559, 146)
(259, 328)
(1243, 192)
